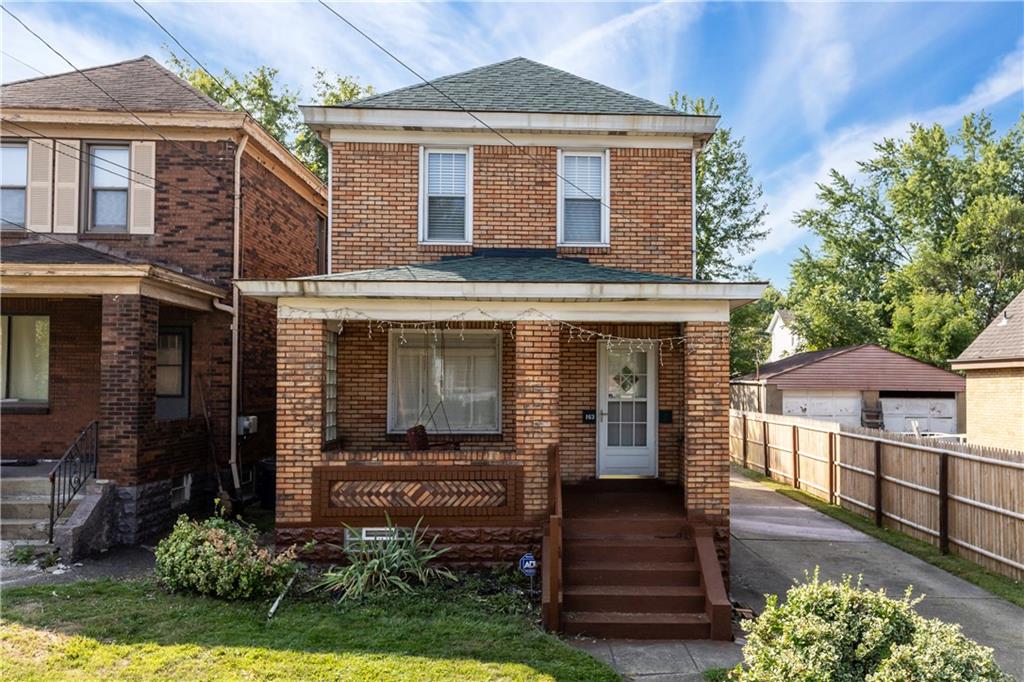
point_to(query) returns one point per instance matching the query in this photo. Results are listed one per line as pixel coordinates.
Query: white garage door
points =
(833, 406)
(937, 415)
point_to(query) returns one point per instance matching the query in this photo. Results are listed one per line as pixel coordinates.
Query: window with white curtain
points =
(583, 199)
(449, 381)
(25, 357)
(446, 201)
(14, 172)
(108, 187)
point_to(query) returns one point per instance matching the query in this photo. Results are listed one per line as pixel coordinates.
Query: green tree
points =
(274, 105)
(922, 250)
(730, 210)
(749, 343)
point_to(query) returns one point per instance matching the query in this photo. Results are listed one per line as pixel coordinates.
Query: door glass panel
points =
(627, 399)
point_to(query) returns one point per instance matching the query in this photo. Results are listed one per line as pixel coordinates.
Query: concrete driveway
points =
(774, 540)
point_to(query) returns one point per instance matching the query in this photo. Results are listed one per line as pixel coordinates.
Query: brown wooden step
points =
(629, 625)
(628, 549)
(656, 527)
(631, 573)
(635, 598)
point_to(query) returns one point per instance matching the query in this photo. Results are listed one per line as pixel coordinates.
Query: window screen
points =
(446, 196)
(108, 188)
(582, 189)
(13, 180)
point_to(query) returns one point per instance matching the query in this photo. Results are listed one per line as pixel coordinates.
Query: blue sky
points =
(810, 86)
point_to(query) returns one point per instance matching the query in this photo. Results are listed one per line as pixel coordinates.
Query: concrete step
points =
(31, 507)
(628, 549)
(654, 527)
(630, 625)
(23, 529)
(24, 485)
(631, 573)
(634, 598)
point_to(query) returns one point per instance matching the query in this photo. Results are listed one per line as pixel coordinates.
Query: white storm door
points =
(627, 412)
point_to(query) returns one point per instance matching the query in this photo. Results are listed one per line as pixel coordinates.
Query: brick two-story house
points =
(130, 202)
(515, 286)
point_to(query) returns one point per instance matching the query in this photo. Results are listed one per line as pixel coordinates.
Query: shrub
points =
(838, 632)
(221, 558)
(379, 566)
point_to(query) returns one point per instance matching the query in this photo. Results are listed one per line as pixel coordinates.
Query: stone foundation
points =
(142, 512)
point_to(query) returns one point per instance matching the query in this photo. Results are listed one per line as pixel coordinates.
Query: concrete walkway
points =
(775, 539)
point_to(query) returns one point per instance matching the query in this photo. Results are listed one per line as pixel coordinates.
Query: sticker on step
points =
(528, 565)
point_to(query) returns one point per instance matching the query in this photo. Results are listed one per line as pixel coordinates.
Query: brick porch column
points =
(127, 398)
(706, 477)
(536, 408)
(300, 377)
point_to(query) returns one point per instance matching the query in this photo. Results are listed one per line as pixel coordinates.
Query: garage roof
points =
(866, 367)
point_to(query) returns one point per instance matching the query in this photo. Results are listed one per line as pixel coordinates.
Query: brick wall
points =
(279, 239)
(74, 379)
(706, 474)
(536, 408)
(995, 407)
(376, 197)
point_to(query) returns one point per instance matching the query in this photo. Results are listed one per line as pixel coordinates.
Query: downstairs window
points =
(25, 361)
(449, 381)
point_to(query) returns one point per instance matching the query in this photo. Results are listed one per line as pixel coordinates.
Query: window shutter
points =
(142, 191)
(67, 169)
(39, 193)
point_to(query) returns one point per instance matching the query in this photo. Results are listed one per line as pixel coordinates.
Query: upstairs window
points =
(108, 188)
(14, 172)
(583, 199)
(25, 361)
(446, 203)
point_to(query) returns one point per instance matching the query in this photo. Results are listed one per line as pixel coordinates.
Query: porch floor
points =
(623, 499)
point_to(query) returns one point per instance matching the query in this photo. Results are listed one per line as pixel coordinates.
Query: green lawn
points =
(136, 630)
(999, 585)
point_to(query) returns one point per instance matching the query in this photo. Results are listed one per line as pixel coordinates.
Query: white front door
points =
(627, 412)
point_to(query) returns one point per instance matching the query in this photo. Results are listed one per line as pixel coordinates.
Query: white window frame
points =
(186, 490)
(88, 189)
(394, 340)
(423, 203)
(23, 188)
(605, 197)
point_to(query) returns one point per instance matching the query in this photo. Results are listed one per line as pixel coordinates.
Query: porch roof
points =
(69, 270)
(505, 288)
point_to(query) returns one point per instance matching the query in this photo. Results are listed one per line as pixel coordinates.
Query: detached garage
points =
(864, 385)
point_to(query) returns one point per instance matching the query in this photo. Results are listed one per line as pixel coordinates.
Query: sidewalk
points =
(775, 539)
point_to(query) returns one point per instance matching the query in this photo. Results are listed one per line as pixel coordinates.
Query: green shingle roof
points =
(504, 269)
(515, 85)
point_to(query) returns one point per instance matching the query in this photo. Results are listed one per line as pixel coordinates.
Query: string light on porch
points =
(688, 343)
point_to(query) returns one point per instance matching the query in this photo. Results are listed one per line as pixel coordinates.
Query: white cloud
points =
(797, 187)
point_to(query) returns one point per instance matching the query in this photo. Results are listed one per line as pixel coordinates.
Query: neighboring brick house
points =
(994, 365)
(474, 293)
(121, 239)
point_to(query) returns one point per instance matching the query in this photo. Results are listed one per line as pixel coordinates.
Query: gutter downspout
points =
(693, 211)
(330, 202)
(236, 272)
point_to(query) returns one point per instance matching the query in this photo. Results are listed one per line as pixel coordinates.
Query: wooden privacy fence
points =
(965, 499)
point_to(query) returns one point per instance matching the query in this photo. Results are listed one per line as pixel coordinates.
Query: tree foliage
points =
(730, 210)
(274, 105)
(922, 250)
(749, 343)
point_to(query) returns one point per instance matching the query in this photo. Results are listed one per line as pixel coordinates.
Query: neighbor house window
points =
(25, 351)
(321, 245)
(446, 203)
(172, 373)
(583, 199)
(108, 188)
(450, 382)
(331, 389)
(14, 172)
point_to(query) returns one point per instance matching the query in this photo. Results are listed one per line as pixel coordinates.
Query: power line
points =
(25, 64)
(539, 162)
(202, 66)
(57, 52)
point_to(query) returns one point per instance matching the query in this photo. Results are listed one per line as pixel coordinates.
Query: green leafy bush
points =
(838, 632)
(221, 558)
(399, 562)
